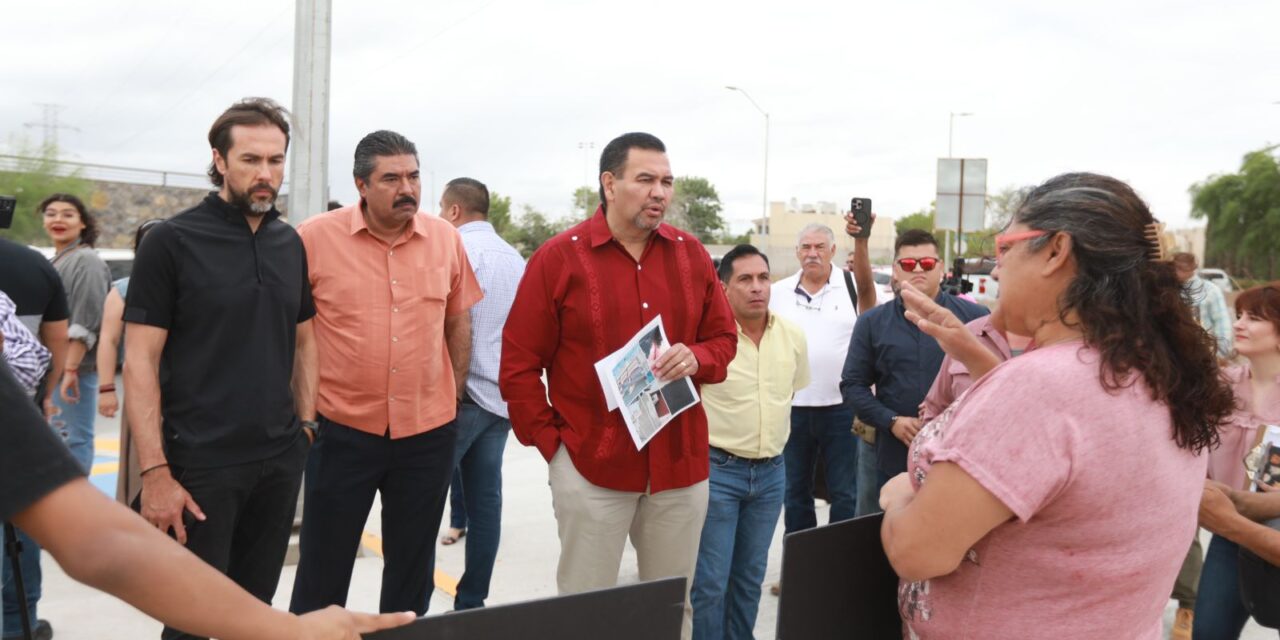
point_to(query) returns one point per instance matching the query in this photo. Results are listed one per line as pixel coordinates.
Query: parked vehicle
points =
(119, 260)
(883, 277)
(1221, 278)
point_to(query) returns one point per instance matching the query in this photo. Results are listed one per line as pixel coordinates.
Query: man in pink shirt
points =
(392, 287)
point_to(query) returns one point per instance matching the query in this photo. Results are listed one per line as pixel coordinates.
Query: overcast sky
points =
(1161, 94)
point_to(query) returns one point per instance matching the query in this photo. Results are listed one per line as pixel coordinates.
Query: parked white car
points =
(884, 284)
(119, 260)
(1220, 278)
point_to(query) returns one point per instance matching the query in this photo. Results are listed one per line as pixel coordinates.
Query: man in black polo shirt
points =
(103, 545)
(221, 360)
(36, 290)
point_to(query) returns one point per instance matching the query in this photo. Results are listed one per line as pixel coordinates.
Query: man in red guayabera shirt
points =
(584, 294)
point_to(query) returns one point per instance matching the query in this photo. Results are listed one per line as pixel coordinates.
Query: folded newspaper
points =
(631, 385)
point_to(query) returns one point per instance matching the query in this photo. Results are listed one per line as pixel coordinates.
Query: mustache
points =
(264, 185)
(405, 200)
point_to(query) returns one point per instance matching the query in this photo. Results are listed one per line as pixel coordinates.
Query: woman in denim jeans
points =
(87, 279)
(1220, 612)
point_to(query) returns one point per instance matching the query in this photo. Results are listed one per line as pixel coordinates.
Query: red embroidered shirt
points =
(582, 297)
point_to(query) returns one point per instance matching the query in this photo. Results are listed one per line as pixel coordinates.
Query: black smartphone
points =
(860, 209)
(7, 206)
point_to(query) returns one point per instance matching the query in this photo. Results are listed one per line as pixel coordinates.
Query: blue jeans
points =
(1220, 613)
(74, 425)
(826, 431)
(742, 512)
(457, 504)
(74, 422)
(482, 439)
(868, 482)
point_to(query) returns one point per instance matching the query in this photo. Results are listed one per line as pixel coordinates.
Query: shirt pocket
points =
(432, 284)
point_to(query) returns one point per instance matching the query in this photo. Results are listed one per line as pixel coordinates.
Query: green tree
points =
(729, 238)
(30, 181)
(922, 219)
(585, 201)
(499, 212)
(1243, 214)
(1000, 206)
(533, 230)
(696, 207)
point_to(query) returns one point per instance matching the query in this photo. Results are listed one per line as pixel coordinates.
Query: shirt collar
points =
(831, 280)
(356, 223)
(233, 214)
(477, 225)
(600, 233)
(770, 317)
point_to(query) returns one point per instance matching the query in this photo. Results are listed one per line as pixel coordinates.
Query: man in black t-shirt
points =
(37, 291)
(220, 372)
(102, 544)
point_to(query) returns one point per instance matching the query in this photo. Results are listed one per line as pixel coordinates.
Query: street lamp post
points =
(765, 185)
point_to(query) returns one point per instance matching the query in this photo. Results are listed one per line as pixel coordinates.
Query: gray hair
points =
(816, 226)
(380, 143)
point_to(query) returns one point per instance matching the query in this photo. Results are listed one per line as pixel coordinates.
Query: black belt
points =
(747, 460)
(467, 399)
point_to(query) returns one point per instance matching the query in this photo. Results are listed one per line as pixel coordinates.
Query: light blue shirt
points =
(1214, 315)
(498, 268)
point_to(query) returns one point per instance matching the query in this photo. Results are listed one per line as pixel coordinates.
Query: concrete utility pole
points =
(309, 166)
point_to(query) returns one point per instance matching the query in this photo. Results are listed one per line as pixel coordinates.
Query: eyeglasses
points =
(1005, 241)
(925, 264)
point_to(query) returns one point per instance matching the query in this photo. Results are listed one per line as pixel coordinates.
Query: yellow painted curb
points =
(444, 582)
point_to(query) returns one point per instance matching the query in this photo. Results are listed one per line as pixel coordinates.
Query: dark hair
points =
(470, 193)
(614, 157)
(740, 251)
(380, 143)
(913, 238)
(1132, 309)
(1185, 260)
(334, 204)
(143, 230)
(89, 234)
(249, 112)
(1262, 301)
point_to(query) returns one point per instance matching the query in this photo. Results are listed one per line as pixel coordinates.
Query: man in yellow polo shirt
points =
(749, 419)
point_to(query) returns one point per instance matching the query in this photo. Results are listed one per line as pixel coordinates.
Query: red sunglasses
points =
(926, 264)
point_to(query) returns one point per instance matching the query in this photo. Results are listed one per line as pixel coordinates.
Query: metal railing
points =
(105, 172)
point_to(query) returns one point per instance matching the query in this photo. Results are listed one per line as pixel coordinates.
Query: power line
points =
(154, 126)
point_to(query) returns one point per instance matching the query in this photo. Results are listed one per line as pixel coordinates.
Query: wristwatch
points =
(313, 429)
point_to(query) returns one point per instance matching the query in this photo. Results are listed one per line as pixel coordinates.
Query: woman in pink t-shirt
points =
(1220, 611)
(1057, 495)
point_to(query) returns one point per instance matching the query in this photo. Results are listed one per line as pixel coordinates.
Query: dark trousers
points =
(249, 509)
(1220, 612)
(826, 432)
(482, 439)
(346, 468)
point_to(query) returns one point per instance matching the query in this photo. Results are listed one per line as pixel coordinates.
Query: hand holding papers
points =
(629, 378)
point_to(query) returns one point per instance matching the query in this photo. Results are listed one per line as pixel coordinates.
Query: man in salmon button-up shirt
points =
(392, 287)
(585, 293)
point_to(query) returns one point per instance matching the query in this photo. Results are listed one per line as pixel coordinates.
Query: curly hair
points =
(1132, 309)
(89, 234)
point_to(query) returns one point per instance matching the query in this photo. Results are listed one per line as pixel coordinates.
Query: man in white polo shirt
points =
(823, 300)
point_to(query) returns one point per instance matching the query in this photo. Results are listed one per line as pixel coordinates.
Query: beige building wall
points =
(777, 235)
(1191, 241)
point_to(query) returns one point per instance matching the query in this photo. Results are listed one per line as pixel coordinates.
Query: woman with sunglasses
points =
(1060, 491)
(1220, 612)
(110, 350)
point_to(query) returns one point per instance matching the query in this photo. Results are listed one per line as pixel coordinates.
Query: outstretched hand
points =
(952, 335)
(336, 623)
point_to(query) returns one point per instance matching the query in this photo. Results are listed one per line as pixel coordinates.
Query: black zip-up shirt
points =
(231, 300)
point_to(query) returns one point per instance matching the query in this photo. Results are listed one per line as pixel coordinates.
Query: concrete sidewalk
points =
(525, 569)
